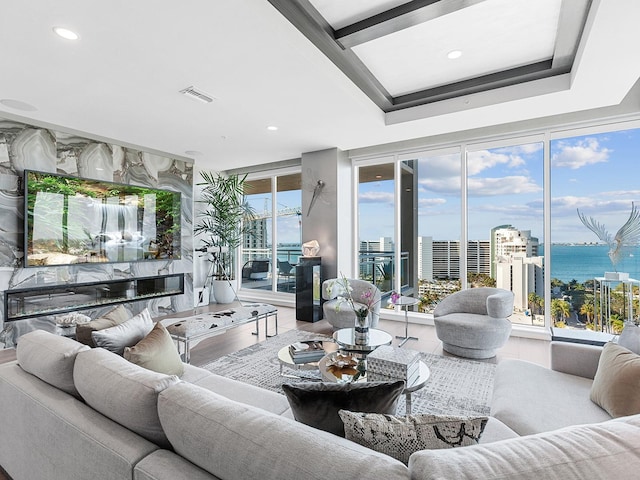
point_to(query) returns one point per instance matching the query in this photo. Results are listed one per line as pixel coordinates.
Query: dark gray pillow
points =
(317, 404)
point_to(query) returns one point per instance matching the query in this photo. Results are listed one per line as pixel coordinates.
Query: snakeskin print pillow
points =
(400, 436)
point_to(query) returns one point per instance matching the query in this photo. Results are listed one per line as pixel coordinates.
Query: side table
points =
(346, 339)
(406, 302)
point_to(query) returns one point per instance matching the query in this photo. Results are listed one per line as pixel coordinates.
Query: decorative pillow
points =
(317, 404)
(156, 352)
(399, 437)
(630, 337)
(127, 334)
(616, 385)
(49, 357)
(123, 392)
(113, 317)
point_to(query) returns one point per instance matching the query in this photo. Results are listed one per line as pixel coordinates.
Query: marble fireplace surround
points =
(24, 146)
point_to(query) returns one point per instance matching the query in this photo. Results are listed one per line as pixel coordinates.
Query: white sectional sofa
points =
(70, 412)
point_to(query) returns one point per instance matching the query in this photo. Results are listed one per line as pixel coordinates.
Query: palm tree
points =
(588, 310)
(560, 309)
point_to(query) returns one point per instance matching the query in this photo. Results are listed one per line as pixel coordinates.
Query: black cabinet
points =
(309, 289)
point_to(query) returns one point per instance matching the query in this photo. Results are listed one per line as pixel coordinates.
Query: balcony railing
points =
(378, 267)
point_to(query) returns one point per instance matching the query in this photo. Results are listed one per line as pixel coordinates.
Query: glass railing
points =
(378, 267)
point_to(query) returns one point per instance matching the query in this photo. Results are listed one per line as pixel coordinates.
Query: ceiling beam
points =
(398, 18)
(573, 17)
(312, 25)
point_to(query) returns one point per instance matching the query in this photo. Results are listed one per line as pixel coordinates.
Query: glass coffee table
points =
(285, 359)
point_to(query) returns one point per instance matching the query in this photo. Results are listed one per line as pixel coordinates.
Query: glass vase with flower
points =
(362, 307)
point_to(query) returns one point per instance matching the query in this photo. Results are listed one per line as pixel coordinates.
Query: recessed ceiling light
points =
(272, 128)
(66, 33)
(18, 105)
(453, 54)
(378, 176)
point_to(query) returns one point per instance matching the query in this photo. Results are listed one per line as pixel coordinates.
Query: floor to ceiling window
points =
(272, 246)
(491, 197)
(595, 227)
(376, 220)
(437, 202)
(505, 223)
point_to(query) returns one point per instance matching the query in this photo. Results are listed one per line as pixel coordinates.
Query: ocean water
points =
(585, 262)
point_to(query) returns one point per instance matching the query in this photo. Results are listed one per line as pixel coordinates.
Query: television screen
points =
(70, 220)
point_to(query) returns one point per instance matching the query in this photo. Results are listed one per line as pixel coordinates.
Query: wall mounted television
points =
(72, 220)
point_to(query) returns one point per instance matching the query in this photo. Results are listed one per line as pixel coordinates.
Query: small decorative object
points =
(386, 363)
(310, 248)
(342, 366)
(71, 319)
(317, 191)
(363, 320)
(625, 237)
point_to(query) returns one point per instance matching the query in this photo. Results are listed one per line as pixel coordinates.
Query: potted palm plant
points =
(221, 224)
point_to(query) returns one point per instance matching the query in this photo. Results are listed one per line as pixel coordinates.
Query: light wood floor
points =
(536, 351)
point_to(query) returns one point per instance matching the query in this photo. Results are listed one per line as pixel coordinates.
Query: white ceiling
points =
(121, 79)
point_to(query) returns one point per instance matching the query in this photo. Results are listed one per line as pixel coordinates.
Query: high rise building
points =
(507, 240)
(522, 275)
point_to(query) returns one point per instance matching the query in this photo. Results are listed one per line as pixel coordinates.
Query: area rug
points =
(455, 386)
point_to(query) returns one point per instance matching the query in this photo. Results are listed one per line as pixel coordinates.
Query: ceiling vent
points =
(193, 92)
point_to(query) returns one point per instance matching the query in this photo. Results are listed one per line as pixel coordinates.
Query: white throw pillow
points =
(630, 337)
(127, 334)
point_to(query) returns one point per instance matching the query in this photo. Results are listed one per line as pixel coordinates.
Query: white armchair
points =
(474, 323)
(344, 316)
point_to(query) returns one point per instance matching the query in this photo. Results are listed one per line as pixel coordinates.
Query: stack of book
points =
(307, 351)
(388, 363)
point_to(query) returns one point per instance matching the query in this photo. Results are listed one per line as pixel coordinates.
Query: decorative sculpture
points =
(628, 235)
(310, 248)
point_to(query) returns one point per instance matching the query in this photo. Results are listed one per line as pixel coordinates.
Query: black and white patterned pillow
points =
(400, 436)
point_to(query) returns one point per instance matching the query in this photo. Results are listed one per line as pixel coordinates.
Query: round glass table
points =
(346, 340)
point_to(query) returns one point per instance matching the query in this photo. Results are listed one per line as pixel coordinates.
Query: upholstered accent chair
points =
(474, 323)
(344, 316)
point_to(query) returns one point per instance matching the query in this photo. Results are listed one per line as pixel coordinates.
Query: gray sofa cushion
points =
(49, 357)
(606, 450)
(526, 395)
(240, 392)
(122, 391)
(163, 464)
(48, 434)
(237, 442)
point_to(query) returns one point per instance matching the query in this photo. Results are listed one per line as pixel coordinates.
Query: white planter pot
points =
(224, 291)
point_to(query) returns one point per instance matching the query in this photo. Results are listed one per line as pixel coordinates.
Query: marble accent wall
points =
(28, 147)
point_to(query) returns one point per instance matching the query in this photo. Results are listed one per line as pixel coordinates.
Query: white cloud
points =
(584, 152)
(431, 202)
(501, 186)
(376, 197)
(442, 185)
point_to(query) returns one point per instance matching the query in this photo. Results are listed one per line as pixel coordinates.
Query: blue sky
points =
(288, 225)
(599, 174)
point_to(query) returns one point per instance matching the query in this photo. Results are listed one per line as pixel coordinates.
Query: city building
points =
(507, 240)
